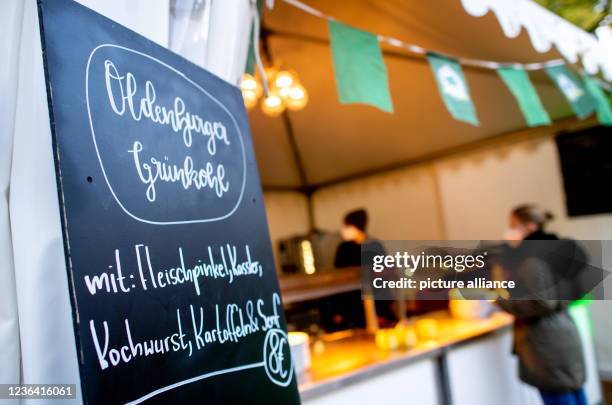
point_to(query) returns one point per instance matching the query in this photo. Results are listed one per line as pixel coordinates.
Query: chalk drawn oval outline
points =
(183, 76)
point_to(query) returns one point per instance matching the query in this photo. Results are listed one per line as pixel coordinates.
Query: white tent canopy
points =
(546, 29)
(336, 142)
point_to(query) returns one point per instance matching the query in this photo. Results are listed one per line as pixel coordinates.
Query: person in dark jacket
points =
(545, 337)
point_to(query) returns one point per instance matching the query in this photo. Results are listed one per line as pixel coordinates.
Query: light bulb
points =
(297, 98)
(284, 79)
(283, 92)
(273, 105)
(250, 98)
(249, 83)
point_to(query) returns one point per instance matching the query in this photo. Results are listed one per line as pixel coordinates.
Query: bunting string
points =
(419, 50)
(361, 76)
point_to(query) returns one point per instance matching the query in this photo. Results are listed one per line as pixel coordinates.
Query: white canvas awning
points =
(547, 29)
(336, 142)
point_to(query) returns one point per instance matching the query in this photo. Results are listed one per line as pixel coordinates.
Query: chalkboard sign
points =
(174, 292)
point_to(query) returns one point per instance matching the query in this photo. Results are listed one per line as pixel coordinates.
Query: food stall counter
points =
(349, 358)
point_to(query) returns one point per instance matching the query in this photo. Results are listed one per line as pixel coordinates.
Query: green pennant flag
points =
(520, 86)
(251, 62)
(604, 111)
(579, 98)
(361, 75)
(453, 88)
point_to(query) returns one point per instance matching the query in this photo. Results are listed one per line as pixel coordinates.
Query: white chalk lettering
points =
(121, 90)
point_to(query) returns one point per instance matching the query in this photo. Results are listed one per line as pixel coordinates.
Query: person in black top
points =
(354, 234)
(348, 254)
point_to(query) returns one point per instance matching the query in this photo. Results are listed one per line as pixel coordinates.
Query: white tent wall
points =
(403, 204)
(36, 333)
(48, 352)
(10, 19)
(229, 38)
